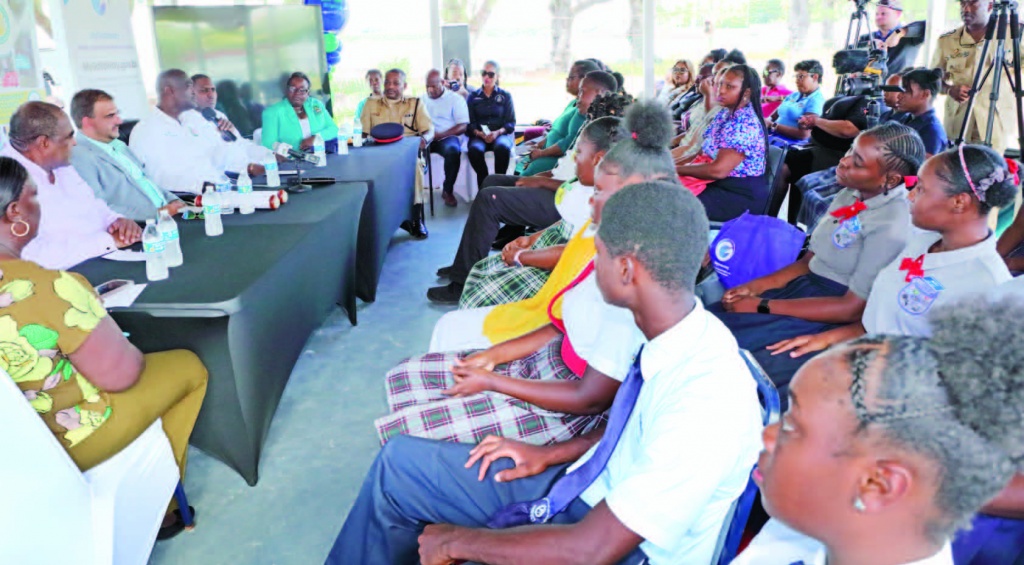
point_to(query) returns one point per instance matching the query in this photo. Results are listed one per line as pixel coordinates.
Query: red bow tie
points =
(851, 211)
(913, 267)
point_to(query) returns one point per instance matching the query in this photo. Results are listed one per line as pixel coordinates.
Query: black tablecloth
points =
(246, 302)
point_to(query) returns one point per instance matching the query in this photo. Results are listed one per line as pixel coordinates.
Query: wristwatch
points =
(762, 307)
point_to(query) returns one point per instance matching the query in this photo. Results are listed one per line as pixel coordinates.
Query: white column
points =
(436, 54)
(936, 18)
(648, 35)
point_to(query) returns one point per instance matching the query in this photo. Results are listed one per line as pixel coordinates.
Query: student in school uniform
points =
(868, 226)
(655, 483)
(892, 443)
(951, 254)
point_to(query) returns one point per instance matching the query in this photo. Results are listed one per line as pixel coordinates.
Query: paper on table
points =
(123, 297)
(125, 255)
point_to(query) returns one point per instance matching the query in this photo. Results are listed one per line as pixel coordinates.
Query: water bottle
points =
(357, 133)
(224, 195)
(211, 213)
(319, 150)
(172, 240)
(273, 174)
(245, 203)
(153, 246)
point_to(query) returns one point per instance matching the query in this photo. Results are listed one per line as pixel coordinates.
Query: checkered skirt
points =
(492, 282)
(419, 409)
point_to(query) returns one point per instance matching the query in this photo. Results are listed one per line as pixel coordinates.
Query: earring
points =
(28, 228)
(858, 505)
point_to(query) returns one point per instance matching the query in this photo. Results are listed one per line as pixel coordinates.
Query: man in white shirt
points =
(75, 225)
(683, 434)
(177, 156)
(233, 152)
(450, 116)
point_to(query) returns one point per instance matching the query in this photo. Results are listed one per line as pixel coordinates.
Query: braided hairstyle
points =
(644, 148)
(901, 147)
(609, 104)
(957, 399)
(994, 184)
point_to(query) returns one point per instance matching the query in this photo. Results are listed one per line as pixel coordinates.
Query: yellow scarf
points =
(508, 321)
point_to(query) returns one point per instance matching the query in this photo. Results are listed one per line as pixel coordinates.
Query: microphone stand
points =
(297, 186)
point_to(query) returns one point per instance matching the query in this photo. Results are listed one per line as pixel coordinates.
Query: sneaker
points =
(448, 294)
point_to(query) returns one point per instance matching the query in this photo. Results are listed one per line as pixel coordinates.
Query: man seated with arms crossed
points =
(657, 481)
(108, 165)
(75, 225)
(233, 151)
(450, 116)
(177, 156)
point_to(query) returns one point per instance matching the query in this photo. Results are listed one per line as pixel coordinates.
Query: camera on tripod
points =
(863, 73)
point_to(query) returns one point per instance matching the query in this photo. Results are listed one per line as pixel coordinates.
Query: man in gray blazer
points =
(108, 165)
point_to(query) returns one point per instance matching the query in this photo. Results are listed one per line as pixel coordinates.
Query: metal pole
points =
(436, 52)
(997, 79)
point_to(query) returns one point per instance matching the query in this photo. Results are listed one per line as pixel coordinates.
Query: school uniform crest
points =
(917, 297)
(846, 233)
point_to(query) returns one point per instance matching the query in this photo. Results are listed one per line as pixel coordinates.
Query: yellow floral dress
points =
(44, 317)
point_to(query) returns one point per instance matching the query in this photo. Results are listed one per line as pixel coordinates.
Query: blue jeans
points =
(415, 482)
(502, 147)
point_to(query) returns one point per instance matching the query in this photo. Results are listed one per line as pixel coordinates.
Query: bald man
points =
(450, 116)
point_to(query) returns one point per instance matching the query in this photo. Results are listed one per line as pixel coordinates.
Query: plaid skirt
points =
(419, 409)
(492, 282)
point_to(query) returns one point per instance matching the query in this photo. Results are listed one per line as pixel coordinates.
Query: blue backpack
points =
(753, 246)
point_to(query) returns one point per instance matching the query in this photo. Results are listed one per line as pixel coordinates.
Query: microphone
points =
(211, 115)
(286, 151)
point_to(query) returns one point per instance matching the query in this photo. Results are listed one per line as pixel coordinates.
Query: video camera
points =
(864, 73)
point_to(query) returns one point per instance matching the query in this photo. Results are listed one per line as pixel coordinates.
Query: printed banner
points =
(20, 75)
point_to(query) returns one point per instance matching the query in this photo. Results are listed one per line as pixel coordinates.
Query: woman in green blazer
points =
(283, 122)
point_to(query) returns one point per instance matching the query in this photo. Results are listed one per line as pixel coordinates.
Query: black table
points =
(389, 171)
(245, 302)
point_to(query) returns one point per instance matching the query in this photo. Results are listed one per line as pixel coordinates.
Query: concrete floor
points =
(322, 439)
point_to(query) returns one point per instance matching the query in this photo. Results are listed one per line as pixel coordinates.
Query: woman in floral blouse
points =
(92, 388)
(728, 175)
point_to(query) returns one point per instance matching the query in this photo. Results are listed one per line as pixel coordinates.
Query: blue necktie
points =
(572, 485)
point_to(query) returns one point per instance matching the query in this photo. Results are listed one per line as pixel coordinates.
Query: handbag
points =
(753, 246)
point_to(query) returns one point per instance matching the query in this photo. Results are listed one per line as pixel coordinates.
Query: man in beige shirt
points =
(395, 108)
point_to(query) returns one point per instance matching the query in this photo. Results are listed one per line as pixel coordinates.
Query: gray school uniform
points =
(853, 251)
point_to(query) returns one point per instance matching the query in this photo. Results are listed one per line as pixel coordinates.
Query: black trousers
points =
(499, 203)
(450, 148)
(502, 147)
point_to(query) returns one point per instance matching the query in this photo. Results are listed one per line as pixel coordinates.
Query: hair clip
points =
(910, 181)
(1014, 168)
(634, 135)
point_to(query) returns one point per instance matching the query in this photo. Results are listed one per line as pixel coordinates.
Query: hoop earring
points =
(28, 228)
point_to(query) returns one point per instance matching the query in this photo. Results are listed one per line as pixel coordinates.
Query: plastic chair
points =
(115, 509)
(736, 521)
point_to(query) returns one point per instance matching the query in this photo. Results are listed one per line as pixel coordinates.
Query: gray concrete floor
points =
(322, 439)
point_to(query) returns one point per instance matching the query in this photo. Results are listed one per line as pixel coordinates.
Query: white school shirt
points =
(73, 221)
(689, 445)
(175, 156)
(605, 336)
(565, 169)
(234, 156)
(1015, 288)
(572, 200)
(898, 307)
(446, 111)
(778, 544)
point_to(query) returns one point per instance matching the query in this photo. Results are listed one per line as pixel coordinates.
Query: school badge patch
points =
(918, 296)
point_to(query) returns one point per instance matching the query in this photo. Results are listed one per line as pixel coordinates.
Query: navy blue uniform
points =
(496, 112)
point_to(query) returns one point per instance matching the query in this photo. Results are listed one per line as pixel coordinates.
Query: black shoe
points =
(449, 199)
(415, 228)
(443, 272)
(176, 527)
(447, 294)
(507, 234)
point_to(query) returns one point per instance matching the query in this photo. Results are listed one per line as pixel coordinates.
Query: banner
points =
(101, 49)
(20, 76)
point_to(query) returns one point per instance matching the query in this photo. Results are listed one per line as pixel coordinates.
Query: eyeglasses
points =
(770, 72)
(680, 70)
(488, 74)
(296, 90)
(802, 76)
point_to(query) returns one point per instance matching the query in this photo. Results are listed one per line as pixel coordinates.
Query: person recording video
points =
(902, 43)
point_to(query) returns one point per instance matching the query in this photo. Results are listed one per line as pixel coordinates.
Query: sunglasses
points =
(680, 70)
(298, 90)
(488, 74)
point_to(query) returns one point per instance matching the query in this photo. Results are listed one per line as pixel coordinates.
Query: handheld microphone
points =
(211, 115)
(286, 151)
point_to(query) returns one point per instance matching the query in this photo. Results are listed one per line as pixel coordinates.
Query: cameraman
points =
(902, 43)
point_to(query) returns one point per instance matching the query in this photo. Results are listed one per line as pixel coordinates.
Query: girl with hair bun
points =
(553, 362)
(953, 253)
(920, 88)
(892, 443)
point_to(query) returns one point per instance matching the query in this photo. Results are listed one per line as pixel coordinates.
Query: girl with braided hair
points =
(953, 253)
(892, 443)
(866, 228)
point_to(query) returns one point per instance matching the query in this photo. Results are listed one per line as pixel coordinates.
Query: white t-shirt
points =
(447, 111)
(572, 200)
(687, 450)
(898, 307)
(778, 544)
(304, 125)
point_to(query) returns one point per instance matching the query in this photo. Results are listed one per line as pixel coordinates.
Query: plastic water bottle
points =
(224, 194)
(357, 133)
(273, 173)
(319, 150)
(153, 246)
(245, 204)
(172, 240)
(343, 143)
(211, 213)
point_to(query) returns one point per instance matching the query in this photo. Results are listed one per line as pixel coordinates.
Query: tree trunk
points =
(475, 14)
(636, 29)
(799, 21)
(561, 33)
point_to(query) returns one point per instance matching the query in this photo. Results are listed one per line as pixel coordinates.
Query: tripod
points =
(858, 20)
(1002, 12)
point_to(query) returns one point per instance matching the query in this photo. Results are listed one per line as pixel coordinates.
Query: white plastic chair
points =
(50, 512)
